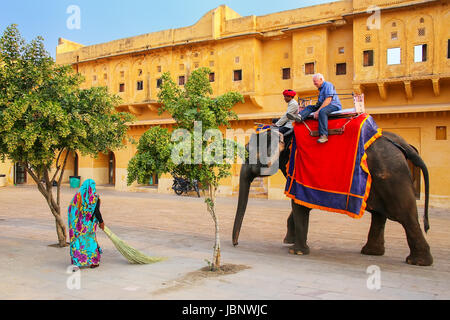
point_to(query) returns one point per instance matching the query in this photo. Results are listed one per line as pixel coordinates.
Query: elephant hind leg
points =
(375, 241)
(419, 249)
(290, 235)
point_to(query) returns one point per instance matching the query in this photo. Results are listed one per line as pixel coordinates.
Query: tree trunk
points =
(60, 226)
(61, 230)
(62, 234)
(46, 191)
(211, 203)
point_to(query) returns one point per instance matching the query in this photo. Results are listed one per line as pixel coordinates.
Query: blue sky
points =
(106, 20)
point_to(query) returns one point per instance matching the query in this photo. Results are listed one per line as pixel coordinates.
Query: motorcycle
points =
(181, 186)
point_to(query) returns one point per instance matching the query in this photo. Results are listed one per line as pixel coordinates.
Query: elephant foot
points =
(424, 260)
(289, 240)
(299, 252)
(372, 251)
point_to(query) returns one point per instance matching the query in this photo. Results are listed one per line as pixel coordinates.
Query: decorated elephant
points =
(391, 195)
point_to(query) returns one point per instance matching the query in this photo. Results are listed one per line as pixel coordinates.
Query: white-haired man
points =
(327, 103)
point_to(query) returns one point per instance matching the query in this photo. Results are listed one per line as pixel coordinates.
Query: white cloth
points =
(292, 109)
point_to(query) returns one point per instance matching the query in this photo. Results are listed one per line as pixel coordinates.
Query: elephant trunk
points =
(245, 181)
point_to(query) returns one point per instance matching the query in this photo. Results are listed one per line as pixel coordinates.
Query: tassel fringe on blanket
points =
(132, 255)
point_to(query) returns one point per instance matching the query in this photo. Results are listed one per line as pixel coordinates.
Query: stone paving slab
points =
(181, 229)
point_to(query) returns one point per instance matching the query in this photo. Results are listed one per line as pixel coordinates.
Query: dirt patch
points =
(224, 270)
(195, 277)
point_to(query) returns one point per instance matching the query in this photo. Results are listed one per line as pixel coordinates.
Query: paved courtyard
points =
(180, 229)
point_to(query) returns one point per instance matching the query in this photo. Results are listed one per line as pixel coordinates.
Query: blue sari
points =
(84, 249)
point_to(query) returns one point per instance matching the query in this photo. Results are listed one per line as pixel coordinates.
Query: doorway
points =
(153, 182)
(112, 169)
(20, 174)
(75, 165)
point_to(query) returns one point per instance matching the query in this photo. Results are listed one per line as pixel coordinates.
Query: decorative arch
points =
(72, 165)
(139, 72)
(154, 61)
(122, 65)
(394, 25)
(421, 43)
(103, 69)
(414, 24)
(389, 29)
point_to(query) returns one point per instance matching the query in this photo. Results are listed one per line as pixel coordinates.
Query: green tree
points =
(197, 149)
(44, 115)
(153, 156)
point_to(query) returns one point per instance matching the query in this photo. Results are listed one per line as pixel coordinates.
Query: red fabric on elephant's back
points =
(332, 176)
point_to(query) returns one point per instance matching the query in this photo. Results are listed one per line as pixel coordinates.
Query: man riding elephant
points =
(327, 103)
(284, 124)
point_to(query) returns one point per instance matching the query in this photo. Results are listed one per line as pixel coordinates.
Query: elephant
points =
(391, 197)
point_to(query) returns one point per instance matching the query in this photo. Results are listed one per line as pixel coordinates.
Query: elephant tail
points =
(412, 154)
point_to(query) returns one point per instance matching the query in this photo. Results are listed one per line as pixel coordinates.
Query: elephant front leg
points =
(290, 235)
(375, 241)
(301, 224)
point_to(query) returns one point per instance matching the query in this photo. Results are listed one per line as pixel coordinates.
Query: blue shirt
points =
(327, 90)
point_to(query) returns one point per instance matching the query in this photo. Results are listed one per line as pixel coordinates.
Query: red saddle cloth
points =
(333, 176)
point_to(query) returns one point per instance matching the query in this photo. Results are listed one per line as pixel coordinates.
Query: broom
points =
(132, 255)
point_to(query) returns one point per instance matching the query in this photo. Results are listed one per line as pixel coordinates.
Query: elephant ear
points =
(252, 146)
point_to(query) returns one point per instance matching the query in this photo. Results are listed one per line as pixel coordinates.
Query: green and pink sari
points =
(84, 249)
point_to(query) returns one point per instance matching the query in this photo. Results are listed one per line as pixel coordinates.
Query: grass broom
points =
(132, 255)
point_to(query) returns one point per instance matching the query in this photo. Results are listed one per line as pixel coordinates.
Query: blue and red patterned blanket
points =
(333, 176)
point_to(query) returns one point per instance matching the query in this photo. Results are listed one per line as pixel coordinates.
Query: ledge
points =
(432, 77)
(151, 122)
(257, 100)
(409, 108)
(138, 108)
(391, 6)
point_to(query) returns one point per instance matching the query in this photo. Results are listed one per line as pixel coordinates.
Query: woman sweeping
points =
(84, 216)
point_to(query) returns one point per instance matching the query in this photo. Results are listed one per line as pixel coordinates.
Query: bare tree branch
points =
(58, 192)
(57, 167)
(35, 178)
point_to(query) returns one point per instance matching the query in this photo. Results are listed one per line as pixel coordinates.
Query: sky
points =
(106, 20)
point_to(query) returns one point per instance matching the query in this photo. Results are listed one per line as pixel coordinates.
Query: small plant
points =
(200, 152)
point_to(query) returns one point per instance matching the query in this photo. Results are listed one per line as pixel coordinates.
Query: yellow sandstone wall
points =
(7, 168)
(411, 98)
(434, 152)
